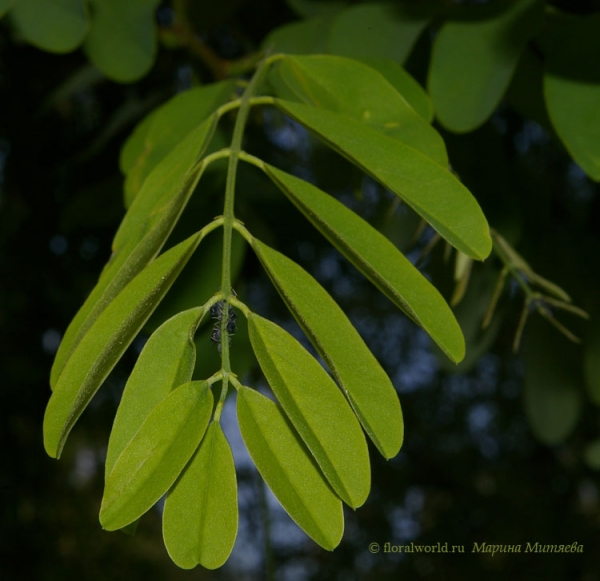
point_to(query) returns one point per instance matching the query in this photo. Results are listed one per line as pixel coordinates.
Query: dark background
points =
(471, 470)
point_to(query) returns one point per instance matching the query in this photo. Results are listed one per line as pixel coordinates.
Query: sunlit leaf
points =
(168, 126)
(200, 517)
(366, 384)
(156, 455)
(52, 25)
(167, 361)
(316, 408)
(473, 61)
(430, 189)
(141, 235)
(289, 469)
(122, 38)
(380, 29)
(572, 86)
(347, 86)
(100, 349)
(378, 259)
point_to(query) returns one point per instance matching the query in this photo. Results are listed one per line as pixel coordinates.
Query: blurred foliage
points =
(472, 468)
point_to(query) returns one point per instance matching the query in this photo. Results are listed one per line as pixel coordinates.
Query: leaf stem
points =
(237, 103)
(246, 102)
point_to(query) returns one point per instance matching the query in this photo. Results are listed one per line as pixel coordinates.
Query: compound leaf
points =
(200, 518)
(289, 469)
(316, 408)
(167, 361)
(378, 259)
(100, 349)
(52, 25)
(350, 87)
(366, 384)
(156, 455)
(430, 189)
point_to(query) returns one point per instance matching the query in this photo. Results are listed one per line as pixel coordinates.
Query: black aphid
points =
(216, 312)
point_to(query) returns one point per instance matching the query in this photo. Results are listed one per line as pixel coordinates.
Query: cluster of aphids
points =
(216, 312)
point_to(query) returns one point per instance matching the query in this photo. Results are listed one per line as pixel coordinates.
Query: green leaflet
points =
(156, 455)
(574, 108)
(385, 30)
(142, 233)
(379, 29)
(346, 86)
(302, 37)
(52, 25)
(572, 86)
(473, 61)
(316, 408)
(288, 469)
(552, 393)
(165, 128)
(168, 184)
(122, 38)
(378, 259)
(133, 147)
(200, 518)
(430, 189)
(405, 84)
(167, 360)
(112, 332)
(366, 384)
